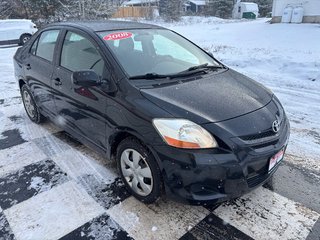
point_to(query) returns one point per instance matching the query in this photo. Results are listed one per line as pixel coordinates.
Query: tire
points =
(139, 171)
(30, 106)
(24, 38)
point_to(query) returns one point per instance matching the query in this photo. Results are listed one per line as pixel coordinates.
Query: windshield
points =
(156, 51)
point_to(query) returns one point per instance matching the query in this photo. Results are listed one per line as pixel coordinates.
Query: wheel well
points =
(23, 34)
(118, 138)
(21, 83)
(116, 141)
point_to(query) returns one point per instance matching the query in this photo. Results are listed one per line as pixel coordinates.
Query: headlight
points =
(183, 133)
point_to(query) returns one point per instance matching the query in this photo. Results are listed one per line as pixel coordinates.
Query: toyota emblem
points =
(276, 126)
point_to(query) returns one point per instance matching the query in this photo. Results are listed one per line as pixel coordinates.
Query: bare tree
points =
(89, 9)
(58, 10)
(5, 9)
(149, 7)
(12, 9)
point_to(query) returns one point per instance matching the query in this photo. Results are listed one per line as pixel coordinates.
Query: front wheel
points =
(139, 170)
(24, 38)
(30, 105)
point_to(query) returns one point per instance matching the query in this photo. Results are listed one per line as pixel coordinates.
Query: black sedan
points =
(176, 120)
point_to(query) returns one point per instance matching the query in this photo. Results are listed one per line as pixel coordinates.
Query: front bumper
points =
(216, 175)
(212, 177)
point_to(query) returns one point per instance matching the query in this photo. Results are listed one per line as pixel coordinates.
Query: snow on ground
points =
(256, 211)
(77, 193)
(283, 57)
(6, 61)
(77, 204)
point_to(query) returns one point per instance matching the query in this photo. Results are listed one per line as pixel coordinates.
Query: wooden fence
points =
(135, 12)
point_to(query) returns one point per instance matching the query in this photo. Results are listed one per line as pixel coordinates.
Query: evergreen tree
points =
(219, 8)
(170, 10)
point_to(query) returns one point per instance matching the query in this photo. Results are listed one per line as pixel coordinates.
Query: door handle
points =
(57, 82)
(28, 66)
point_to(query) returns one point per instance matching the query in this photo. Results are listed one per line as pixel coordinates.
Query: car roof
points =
(15, 20)
(106, 25)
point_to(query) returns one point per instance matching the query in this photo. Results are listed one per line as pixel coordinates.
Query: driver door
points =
(80, 109)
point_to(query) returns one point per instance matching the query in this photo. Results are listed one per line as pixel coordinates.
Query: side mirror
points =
(86, 78)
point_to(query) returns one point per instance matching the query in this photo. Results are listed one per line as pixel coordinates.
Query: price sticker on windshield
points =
(117, 36)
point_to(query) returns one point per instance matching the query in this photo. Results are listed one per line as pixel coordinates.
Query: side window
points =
(78, 53)
(34, 47)
(46, 44)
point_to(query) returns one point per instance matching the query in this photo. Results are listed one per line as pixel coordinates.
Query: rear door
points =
(38, 67)
(80, 108)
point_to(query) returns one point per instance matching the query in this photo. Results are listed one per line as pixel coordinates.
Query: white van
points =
(241, 8)
(16, 31)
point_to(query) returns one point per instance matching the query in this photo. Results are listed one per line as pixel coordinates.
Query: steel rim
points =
(25, 39)
(136, 172)
(28, 103)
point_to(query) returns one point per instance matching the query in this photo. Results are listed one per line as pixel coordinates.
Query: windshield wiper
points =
(197, 67)
(204, 66)
(189, 71)
(149, 76)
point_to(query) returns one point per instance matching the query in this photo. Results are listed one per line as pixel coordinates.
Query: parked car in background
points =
(16, 31)
(174, 118)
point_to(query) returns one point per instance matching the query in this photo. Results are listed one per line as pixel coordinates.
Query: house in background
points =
(311, 10)
(195, 6)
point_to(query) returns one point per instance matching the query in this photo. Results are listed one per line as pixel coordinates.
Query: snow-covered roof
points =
(137, 2)
(14, 23)
(16, 20)
(250, 7)
(198, 2)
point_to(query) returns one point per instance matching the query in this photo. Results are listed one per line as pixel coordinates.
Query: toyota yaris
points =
(176, 120)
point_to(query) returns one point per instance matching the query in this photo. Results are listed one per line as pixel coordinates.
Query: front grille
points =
(267, 134)
(267, 144)
(260, 178)
(252, 137)
(264, 139)
(256, 180)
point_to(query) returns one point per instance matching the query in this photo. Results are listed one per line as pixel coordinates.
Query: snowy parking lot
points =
(53, 187)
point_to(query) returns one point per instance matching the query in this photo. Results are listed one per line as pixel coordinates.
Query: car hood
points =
(212, 97)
